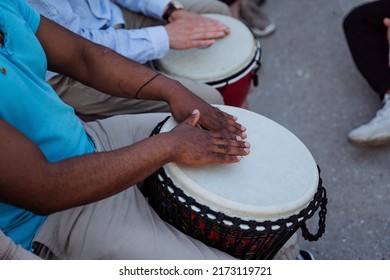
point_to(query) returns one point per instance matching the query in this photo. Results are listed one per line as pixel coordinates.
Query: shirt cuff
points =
(160, 40)
(160, 8)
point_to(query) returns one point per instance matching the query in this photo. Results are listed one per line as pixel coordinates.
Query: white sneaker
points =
(376, 132)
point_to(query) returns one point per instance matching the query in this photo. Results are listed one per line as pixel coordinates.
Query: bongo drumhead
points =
(226, 57)
(276, 180)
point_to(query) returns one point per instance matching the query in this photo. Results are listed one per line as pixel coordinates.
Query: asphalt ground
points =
(310, 85)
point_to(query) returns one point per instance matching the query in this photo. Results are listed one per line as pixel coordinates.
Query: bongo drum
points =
(247, 209)
(229, 65)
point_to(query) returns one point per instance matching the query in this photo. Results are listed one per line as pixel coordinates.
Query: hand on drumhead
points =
(211, 118)
(194, 32)
(194, 146)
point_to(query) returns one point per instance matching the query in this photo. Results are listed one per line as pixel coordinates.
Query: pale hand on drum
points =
(194, 32)
(194, 146)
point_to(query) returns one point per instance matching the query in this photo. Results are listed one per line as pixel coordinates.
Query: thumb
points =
(193, 118)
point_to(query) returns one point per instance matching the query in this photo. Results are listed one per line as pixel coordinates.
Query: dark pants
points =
(228, 2)
(367, 40)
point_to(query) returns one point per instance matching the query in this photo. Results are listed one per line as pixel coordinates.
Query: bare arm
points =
(96, 65)
(47, 187)
(105, 70)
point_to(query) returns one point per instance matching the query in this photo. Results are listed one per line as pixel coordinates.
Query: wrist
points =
(171, 8)
(175, 15)
(169, 146)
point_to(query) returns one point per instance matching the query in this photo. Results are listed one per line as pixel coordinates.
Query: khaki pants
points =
(123, 226)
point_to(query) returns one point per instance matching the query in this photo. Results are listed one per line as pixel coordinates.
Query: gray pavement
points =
(310, 85)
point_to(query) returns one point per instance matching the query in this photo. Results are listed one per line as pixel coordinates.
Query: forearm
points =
(29, 181)
(48, 187)
(113, 74)
(100, 67)
(86, 179)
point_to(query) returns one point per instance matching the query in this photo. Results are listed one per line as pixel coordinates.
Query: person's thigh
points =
(121, 227)
(122, 130)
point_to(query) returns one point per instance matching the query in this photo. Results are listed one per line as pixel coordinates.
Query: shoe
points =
(251, 14)
(376, 132)
(305, 255)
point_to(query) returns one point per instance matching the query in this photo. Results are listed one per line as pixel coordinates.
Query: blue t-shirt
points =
(30, 105)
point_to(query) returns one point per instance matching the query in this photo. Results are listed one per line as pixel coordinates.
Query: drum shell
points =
(234, 94)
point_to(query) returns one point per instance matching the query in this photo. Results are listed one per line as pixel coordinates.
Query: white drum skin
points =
(276, 180)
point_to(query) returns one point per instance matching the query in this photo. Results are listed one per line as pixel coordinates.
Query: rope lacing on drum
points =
(157, 129)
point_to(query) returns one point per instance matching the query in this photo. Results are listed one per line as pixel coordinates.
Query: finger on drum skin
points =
(227, 158)
(210, 35)
(240, 128)
(224, 114)
(207, 33)
(237, 131)
(202, 43)
(230, 132)
(222, 136)
(231, 140)
(225, 135)
(237, 126)
(233, 121)
(230, 118)
(232, 151)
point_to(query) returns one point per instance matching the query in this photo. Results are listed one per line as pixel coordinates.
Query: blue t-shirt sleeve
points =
(31, 16)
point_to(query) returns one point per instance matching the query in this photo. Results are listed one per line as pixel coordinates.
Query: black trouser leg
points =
(367, 40)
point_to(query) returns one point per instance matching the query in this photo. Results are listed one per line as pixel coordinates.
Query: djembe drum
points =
(229, 65)
(247, 209)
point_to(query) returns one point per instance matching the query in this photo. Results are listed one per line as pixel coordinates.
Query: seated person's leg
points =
(123, 226)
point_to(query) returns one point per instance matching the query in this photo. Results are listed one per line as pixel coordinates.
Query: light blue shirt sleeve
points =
(140, 45)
